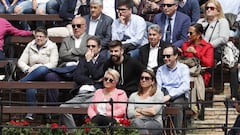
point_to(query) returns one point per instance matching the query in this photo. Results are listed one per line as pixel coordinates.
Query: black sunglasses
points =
(168, 5)
(190, 33)
(166, 55)
(108, 79)
(211, 8)
(145, 78)
(93, 46)
(77, 25)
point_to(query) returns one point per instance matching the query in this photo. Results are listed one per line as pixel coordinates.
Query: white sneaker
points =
(29, 116)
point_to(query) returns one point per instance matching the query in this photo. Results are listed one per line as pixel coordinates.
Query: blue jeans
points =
(36, 75)
(134, 53)
(53, 6)
(10, 8)
(2, 55)
(26, 7)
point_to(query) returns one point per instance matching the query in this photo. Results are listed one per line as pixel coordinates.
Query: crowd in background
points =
(125, 49)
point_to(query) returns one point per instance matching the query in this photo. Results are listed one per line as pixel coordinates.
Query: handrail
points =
(31, 17)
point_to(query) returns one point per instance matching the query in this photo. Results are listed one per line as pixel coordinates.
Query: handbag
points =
(230, 54)
(190, 62)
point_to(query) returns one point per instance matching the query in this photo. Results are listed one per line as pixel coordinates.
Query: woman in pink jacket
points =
(100, 113)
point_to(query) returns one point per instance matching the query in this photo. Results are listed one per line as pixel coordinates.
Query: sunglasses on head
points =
(77, 25)
(167, 55)
(108, 79)
(211, 8)
(168, 5)
(145, 78)
(93, 46)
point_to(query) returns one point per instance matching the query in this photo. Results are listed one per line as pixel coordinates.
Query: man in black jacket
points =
(129, 68)
(150, 55)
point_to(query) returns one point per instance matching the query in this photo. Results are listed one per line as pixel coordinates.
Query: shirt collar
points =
(79, 37)
(157, 46)
(95, 20)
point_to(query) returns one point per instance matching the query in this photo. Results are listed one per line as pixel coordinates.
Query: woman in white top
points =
(216, 26)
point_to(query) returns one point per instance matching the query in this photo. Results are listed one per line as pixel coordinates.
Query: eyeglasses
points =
(145, 78)
(108, 80)
(76, 25)
(122, 9)
(211, 8)
(167, 55)
(168, 5)
(93, 46)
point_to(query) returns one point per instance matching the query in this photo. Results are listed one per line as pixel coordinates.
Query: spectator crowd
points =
(125, 50)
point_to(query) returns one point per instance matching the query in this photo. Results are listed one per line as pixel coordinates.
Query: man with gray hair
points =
(150, 55)
(99, 24)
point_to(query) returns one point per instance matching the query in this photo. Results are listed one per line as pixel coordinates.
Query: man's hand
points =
(166, 98)
(122, 19)
(89, 55)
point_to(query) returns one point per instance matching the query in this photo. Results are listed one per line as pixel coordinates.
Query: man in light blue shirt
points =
(129, 28)
(173, 79)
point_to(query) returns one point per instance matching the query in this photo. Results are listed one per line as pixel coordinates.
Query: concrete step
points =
(215, 118)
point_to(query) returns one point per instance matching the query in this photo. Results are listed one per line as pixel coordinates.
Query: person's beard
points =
(115, 58)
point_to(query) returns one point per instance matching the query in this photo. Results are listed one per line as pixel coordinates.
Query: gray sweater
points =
(156, 98)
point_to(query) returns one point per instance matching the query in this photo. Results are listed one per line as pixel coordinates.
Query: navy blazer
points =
(144, 55)
(89, 73)
(180, 28)
(103, 30)
(66, 11)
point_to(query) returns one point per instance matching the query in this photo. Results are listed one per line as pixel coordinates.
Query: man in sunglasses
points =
(173, 79)
(129, 68)
(71, 49)
(174, 23)
(89, 76)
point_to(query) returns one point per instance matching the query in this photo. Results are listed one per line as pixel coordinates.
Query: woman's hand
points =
(138, 113)
(191, 49)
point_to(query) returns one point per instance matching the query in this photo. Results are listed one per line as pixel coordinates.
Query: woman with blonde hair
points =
(101, 113)
(216, 26)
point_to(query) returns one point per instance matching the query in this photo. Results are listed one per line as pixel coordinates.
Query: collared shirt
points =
(153, 56)
(176, 80)
(135, 30)
(93, 25)
(172, 26)
(78, 41)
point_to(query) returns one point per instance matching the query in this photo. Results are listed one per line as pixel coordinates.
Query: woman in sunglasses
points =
(146, 115)
(197, 47)
(216, 27)
(100, 113)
